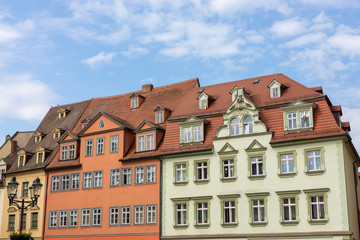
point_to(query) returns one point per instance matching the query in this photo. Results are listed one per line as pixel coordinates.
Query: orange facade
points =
(102, 196)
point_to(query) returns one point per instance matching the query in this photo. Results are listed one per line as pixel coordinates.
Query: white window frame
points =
(151, 174)
(234, 127)
(139, 175)
(115, 177)
(134, 102)
(316, 206)
(73, 218)
(159, 117)
(89, 147)
(65, 182)
(138, 215)
(98, 179)
(100, 145)
(63, 215)
(229, 168)
(85, 217)
(96, 217)
(125, 215)
(114, 216)
(292, 118)
(52, 219)
(286, 160)
(87, 180)
(55, 183)
(149, 142)
(202, 213)
(289, 208)
(64, 152)
(256, 205)
(182, 169)
(181, 214)
(203, 104)
(114, 143)
(248, 125)
(313, 158)
(72, 151)
(151, 214)
(202, 166)
(141, 143)
(75, 181)
(230, 210)
(126, 174)
(187, 134)
(259, 165)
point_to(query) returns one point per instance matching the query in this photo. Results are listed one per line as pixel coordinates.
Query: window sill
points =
(295, 222)
(201, 181)
(202, 225)
(181, 183)
(191, 143)
(317, 172)
(287, 175)
(257, 177)
(232, 179)
(181, 226)
(318, 222)
(258, 223)
(229, 224)
(298, 130)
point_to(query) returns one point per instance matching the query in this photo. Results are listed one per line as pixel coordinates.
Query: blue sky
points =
(58, 52)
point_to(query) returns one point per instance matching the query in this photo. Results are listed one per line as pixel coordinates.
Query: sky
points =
(59, 52)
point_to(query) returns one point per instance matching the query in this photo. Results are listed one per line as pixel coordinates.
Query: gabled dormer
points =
(57, 133)
(235, 92)
(68, 146)
(192, 131)
(204, 101)
(22, 158)
(161, 114)
(136, 100)
(41, 154)
(38, 136)
(148, 136)
(276, 89)
(62, 113)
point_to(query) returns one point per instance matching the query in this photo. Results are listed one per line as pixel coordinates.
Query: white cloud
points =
(288, 28)
(134, 51)
(147, 81)
(99, 59)
(306, 39)
(349, 44)
(24, 97)
(332, 3)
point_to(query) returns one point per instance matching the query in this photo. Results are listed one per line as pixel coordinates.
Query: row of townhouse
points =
(258, 158)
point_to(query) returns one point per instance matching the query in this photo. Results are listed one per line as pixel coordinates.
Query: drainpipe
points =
(44, 217)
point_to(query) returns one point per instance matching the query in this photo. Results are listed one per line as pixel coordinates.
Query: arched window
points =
(234, 127)
(248, 126)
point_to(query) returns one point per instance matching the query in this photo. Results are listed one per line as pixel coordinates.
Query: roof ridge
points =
(71, 103)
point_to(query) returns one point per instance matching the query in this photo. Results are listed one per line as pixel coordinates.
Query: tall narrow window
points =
(305, 119)
(114, 177)
(248, 126)
(289, 209)
(62, 218)
(73, 218)
(180, 172)
(21, 160)
(314, 160)
(40, 157)
(159, 117)
(203, 104)
(114, 142)
(151, 214)
(287, 163)
(197, 133)
(134, 103)
(126, 176)
(186, 134)
(87, 180)
(256, 166)
(292, 121)
(34, 220)
(181, 214)
(65, 182)
(229, 212)
(317, 208)
(234, 127)
(72, 151)
(114, 216)
(100, 146)
(96, 217)
(125, 215)
(55, 183)
(228, 168)
(98, 179)
(85, 217)
(201, 171)
(138, 214)
(11, 222)
(141, 143)
(63, 152)
(202, 213)
(139, 175)
(25, 189)
(75, 181)
(88, 147)
(258, 212)
(150, 142)
(53, 219)
(151, 174)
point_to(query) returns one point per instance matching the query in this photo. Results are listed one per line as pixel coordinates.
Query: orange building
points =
(105, 179)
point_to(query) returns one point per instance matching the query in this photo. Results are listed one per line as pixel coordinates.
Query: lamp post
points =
(12, 189)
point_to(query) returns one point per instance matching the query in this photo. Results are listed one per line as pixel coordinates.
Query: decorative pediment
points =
(146, 125)
(160, 108)
(275, 83)
(38, 134)
(135, 95)
(68, 136)
(41, 149)
(255, 146)
(62, 112)
(298, 104)
(22, 152)
(227, 149)
(203, 95)
(11, 209)
(241, 102)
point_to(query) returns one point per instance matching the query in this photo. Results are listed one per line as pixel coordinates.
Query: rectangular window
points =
(228, 168)
(150, 142)
(24, 221)
(53, 219)
(181, 214)
(292, 118)
(73, 218)
(114, 216)
(197, 133)
(96, 217)
(203, 103)
(62, 218)
(256, 166)
(40, 157)
(11, 223)
(63, 152)
(100, 146)
(287, 163)
(72, 151)
(186, 134)
(289, 209)
(25, 189)
(55, 183)
(151, 214)
(151, 174)
(65, 182)
(126, 176)
(139, 175)
(275, 92)
(21, 161)
(314, 160)
(114, 143)
(317, 206)
(75, 181)
(180, 171)
(34, 220)
(229, 212)
(134, 103)
(98, 179)
(85, 217)
(114, 177)
(138, 214)
(87, 180)
(201, 171)
(258, 210)
(202, 213)
(305, 119)
(141, 143)
(89, 147)
(159, 117)
(125, 215)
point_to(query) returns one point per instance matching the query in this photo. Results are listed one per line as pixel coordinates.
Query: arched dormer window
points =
(248, 126)
(234, 127)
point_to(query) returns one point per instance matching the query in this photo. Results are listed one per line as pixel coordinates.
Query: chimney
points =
(13, 147)
(147, 88)
(7, 137)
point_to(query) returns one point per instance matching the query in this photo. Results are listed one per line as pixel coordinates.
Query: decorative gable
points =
(62, 113)
(298, 117)
(136, 100)
(275, 89)
(56, 133)
(227, 149)
(161, 114)
(204, 101)
(41, 154)
(255, 146)
(192, 131)
(68, 137)
(22, 157)
(38, 136)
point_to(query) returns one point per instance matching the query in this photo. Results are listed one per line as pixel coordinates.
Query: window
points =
(73, 218)
(114, 177)
(134, 103)
(21, 160)
(85, 217)
(98, 179)
(258, 210)
(197, 133)
(65, 182)
(53, 219)
(314, 160)
(287, 163)
(202, 213)
(180, 172)
(201, 170)
(234, 127)
(229, 212)
(96, 217)
(114, 143)
(150, 142)
(292, 118)
(37, 138)
(181, 214)
(25, 189)
(305, 119)
(63, 152)
(87, 180)
(256, 166)
(34, 220)
(62, 115)
(289, 209)
(151, 174)
(298, 116)
(139, 175)
(100, 146)
(24, 221)
(125, 215)
(317, 207)
(228, 168)
(40, 157)
(56, 135)
(159, 117)
(126, 176)
(275, 92)
(88, 147)
(75, 181)
(138, 214)
(55, 183)
(248, 126)
(72, 151)
(141, 143)
(114, 216)
(187, 134)
(203, 104)
(151, 214)
(11, 222)
(62, 218)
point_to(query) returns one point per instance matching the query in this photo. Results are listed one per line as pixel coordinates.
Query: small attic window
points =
(203, 101)
(256, 81)
(134, 102)
(275, 89)
(160, 117)
(275, 92)
(56, 133)
(201, 90)
(21, 161)
(38, 139)
(62, 113)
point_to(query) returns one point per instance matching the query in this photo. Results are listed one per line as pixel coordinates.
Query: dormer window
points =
(21, 160)
(40, 155)
(38, 137)
(56, 133)
(192, 131)
(275, 89)
(160, 117)
(298, 116)
(203, 104)
(235, 92)
(62, 113)
(134, 102)
(161, 114)
(145, 142)
(234, 127)
(204, 101)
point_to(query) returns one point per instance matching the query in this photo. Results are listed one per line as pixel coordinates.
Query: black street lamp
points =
(12, 189)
